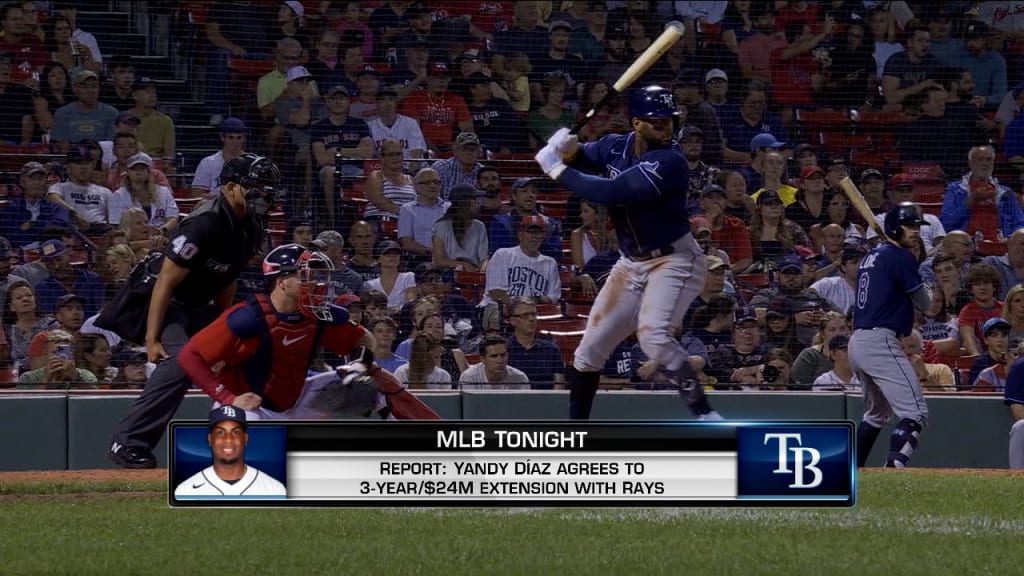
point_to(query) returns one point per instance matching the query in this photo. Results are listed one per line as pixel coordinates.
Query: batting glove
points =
(564, 143)
(550, 162)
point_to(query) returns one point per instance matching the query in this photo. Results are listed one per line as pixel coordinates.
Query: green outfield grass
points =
(905, 523)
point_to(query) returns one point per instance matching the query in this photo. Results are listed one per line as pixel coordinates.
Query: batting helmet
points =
(652, 102)
(902, 214)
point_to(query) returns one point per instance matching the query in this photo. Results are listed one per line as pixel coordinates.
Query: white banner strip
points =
(446, 476)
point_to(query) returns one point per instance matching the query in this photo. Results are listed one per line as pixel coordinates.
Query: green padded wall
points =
(33, 433)
(91, 420)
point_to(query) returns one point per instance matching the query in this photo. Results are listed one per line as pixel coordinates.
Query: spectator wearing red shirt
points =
(728, 232)
(982, 281)
(27, 50)
(801, 11)
(438, 111)
(794, 71)
(756, 50)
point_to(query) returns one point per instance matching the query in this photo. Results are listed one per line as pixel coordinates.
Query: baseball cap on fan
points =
(993, 323)
(765, 140)
(297, 73)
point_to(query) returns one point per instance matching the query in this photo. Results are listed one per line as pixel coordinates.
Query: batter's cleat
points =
(131, 458)
(710, 417)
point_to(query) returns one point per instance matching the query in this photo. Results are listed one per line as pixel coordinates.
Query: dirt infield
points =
(119, 475)
(68, 476)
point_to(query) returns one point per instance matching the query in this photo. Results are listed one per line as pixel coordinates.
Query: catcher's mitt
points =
(352, 393)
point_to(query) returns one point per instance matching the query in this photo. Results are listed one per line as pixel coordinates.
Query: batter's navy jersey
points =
(215, 246)
(885, 279)
(647, 201)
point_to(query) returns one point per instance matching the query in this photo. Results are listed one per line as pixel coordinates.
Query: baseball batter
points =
(889, 287)
(661, 270)
(229, 475)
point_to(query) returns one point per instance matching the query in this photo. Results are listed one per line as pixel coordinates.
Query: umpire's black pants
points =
(147, 419)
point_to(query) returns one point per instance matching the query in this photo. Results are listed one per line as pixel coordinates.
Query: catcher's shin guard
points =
(402, 405)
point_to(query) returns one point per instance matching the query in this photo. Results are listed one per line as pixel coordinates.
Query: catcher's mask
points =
(314, 284)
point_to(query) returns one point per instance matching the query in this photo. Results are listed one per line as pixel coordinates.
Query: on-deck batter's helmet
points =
(652, 102)
(902, 214)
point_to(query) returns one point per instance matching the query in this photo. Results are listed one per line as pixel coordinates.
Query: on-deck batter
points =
(889, 287)
(661, 270)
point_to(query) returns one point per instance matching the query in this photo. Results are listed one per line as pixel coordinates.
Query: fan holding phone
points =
(59, 370)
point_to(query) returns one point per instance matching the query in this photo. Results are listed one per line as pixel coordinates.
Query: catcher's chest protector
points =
(277, 367)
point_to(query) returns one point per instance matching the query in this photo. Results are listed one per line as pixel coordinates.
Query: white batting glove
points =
(550, 162)
(563, 142)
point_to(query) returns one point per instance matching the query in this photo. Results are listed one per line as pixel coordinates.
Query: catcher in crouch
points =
(255, 355)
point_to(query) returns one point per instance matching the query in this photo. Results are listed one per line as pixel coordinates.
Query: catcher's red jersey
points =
(253, 348)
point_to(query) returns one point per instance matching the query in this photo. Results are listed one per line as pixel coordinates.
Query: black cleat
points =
(132, 458)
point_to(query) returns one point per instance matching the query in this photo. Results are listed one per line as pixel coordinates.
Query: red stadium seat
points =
(577, 310)
(562, 325)
(464, 278)
(991, 248)
(924, 171)
(549, 311)
(929, 191)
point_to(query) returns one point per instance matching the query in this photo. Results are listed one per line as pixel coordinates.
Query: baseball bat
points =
(861, 205)
(672, 33)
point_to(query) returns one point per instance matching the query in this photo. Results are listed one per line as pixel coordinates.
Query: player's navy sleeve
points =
(907, 272)
(644, 182)
(1014, 393)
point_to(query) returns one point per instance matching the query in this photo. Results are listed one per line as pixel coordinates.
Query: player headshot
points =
(229, 475)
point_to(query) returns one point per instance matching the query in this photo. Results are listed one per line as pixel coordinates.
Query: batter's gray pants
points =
(147, 419)
(1017, 445)
(889, 381)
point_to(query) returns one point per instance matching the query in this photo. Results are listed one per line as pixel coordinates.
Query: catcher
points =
(256, 354)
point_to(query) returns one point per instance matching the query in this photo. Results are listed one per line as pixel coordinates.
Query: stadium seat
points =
(516, 165)
(472, 359)
(464, 278)
(577, 310)
(920, 171)
(549, 311)
(561, 324)
(991, 248)
(931, 192)
(933, 208)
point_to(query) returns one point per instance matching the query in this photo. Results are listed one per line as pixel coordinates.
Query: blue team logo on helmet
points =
(652, 102)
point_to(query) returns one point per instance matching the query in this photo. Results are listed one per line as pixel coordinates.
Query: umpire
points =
(196, 281)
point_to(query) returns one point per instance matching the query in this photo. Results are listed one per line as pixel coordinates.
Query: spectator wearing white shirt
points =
(399, 286)
(520, 271)
(88, 203)
(390, 125)
(206, 182)
(839, 289)
(69, 11)
(416, 219)
(140, 190)
(493, 372)
(841, 376)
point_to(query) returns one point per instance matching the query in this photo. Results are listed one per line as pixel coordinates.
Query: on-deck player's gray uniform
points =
(888, 289)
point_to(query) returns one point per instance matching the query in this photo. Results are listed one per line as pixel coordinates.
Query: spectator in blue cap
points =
(206, 181)
(24, 216)
(62, 275)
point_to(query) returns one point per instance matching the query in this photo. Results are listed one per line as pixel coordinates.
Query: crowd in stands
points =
(405, 131)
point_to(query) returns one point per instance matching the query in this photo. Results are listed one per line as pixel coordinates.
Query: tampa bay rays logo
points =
(651, 168)
(228, 411)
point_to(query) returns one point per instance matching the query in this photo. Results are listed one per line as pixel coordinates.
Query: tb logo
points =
(804, 459)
